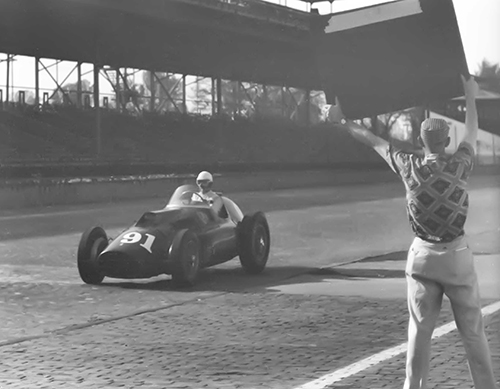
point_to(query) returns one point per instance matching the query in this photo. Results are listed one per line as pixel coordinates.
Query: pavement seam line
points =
(74, 327)
(345, 263)
(332, 265)
(357, 367)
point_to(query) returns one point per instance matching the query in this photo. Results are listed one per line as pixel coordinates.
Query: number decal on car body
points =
(131, 237)
(135, 237)
(149, 242)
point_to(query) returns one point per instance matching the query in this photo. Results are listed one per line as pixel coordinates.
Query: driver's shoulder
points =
(213, 195)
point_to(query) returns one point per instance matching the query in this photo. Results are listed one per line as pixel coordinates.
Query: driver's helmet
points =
(204, 176)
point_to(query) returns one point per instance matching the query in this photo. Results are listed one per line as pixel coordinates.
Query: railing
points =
(260, 10)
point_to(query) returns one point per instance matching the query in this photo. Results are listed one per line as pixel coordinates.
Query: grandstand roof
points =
(245, 40)
(483, 95)
(376, 59)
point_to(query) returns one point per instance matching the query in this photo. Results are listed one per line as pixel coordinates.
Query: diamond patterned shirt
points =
(436, 191)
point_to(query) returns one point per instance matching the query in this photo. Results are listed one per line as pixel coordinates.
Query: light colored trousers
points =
(433, 270)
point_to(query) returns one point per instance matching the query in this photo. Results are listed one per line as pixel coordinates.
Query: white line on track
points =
(357, 367)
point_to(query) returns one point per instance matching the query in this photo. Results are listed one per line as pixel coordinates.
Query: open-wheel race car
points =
(180, 239)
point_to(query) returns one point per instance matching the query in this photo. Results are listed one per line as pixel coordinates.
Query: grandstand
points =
(253, 61)
(61, 141)
(248, 41)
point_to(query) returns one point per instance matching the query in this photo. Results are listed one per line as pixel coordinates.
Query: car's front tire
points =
(92, 243)
(185, 258)
(254, 242)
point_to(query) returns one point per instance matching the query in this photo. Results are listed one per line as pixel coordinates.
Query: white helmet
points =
(205, 176)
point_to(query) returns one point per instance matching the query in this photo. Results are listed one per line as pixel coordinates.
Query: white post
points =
(493, 149)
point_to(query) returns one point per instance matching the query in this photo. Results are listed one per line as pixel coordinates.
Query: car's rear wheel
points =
(92, 243)
(185, 257)
(254, 242)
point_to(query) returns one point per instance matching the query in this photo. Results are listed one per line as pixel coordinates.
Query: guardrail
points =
(253, 8)
(259, 9)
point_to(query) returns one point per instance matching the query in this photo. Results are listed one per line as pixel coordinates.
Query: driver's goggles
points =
(202, 182)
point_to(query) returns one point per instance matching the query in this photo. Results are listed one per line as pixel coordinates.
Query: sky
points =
(477, 19)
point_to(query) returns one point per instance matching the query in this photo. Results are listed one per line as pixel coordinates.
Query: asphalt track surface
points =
(299, 299)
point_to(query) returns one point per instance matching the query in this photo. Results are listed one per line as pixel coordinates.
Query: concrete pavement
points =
(281, 337)
(381, 277)
(298, 321)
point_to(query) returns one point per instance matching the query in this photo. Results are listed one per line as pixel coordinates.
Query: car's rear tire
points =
(254, 242)
(92, 243)
(185, 258)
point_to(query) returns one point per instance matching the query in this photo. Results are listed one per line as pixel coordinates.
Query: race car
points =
(180, 239)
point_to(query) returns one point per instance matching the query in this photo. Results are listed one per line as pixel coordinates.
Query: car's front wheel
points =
(92, 243)
(254, 242)
(185, 257)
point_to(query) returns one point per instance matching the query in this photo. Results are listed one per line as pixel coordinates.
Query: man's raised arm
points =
(471, 90)
(358, 132)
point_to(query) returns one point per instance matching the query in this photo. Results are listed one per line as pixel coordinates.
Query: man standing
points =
(439, 260)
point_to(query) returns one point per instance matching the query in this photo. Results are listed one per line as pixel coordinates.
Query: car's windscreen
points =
(149, 219)
(186, 195)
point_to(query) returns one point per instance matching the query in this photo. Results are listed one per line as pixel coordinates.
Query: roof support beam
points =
(152, 88)
(248, 96)
(308, 107)
(213, 89)
(130, 92)
(116, 87)
(184, 106)
(37, 82)
(219, 96)
(79, 85)
(236, 96)
(168, 93)
(65, 95)
(97, 111)
(8, 79)
(283, 101)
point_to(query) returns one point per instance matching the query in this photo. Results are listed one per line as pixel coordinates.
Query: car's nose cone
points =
(117, 264)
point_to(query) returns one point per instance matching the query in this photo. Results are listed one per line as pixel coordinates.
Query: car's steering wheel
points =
(194, 193)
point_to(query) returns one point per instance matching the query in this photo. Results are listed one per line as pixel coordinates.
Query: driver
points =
(205, 182)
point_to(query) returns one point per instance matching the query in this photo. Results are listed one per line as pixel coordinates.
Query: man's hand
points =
(471, 88)
(335, 114)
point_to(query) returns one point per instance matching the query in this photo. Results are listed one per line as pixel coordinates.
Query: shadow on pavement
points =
(235, 280)
(358, 273)
(216, 279)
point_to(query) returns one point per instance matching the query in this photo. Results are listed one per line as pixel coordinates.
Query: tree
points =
(489, 76)
(235, 97)
(250, 100)
(131, 96)
(70, 91)
(202, 93)
(316, 114)
(400, 128)
(167, 90)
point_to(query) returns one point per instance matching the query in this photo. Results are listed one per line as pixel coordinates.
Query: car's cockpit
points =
(188, 196)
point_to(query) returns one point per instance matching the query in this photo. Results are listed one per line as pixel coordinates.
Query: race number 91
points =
(136, 237)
